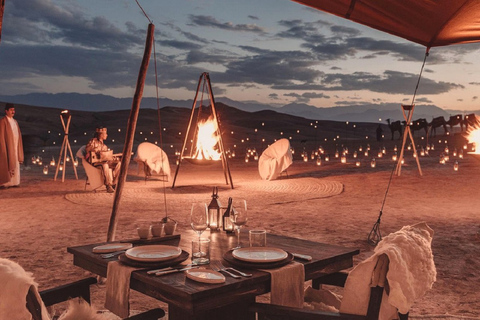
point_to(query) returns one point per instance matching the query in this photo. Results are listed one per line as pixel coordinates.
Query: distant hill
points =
(358, 113)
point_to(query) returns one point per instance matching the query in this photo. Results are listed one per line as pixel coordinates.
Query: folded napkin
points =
(287, 285)
(118, 288)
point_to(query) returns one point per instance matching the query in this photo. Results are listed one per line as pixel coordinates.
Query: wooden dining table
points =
(188, 299)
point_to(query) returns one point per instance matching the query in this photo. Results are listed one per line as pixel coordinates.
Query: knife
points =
(302, 256)
(169, 268)
(161, 273)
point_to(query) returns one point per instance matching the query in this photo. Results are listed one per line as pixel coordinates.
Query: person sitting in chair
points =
(99, 155)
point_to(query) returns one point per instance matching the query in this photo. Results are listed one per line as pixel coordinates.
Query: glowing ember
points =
(207, 140)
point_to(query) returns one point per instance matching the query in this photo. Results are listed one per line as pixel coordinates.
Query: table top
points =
(177, 290)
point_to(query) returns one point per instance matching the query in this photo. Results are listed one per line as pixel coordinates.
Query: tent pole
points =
(2, 10)
(131, 126)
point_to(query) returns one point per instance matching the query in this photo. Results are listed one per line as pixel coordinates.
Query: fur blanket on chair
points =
(15, 283)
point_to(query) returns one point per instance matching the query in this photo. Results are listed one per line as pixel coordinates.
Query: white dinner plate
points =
(112, 247)
(153, 253)
(205, 276)
(259, 254)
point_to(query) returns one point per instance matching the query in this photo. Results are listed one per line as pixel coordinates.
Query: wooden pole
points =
(131, 126)
(2, 10)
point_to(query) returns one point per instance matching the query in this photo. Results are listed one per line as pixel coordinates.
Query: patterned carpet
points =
(274, 192)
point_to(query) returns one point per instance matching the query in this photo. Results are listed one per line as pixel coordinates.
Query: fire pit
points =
(204, 135)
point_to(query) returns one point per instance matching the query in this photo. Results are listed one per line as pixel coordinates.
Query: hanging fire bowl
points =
(200, 162)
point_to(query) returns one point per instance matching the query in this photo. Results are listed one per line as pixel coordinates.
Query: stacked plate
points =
(153, 256)
(258, 257)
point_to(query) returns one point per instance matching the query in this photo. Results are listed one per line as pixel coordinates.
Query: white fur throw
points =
(14, 285)
(411, 272)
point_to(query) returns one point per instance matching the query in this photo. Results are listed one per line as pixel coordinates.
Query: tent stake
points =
(131, 126)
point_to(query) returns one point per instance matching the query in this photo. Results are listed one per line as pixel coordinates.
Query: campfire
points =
(473, 136)
(206, 146)
(204, 136)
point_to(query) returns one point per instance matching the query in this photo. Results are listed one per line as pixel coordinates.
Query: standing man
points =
(110, 168)
(11, 149)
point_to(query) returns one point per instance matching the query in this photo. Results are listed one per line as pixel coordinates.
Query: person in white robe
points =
(11, 149)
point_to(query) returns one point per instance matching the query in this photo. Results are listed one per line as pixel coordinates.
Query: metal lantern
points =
(214, 216)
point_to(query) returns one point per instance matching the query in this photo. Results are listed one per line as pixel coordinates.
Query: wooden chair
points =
(275, 312)
(80, 289)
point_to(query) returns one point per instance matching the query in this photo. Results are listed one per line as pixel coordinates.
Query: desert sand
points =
(333, 203)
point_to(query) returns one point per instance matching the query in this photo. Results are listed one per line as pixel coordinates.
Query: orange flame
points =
(473, 136)
(207, 141)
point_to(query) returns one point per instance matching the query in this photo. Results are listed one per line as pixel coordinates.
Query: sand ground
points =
(335, 203)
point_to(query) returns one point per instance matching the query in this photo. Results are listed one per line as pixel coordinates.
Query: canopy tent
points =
(429, 23)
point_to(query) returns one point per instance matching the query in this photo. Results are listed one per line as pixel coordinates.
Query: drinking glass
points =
(198, 218)
(238, 217)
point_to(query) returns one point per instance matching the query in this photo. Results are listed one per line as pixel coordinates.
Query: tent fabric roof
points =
(431, 23)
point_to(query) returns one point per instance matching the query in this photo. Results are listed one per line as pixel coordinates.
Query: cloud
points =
(306, 96)
(182, 45)
(423, 99)
(209, 21)
(392, 82)
(188, 35)
(45, 22)
(198, 56)
(273, 96)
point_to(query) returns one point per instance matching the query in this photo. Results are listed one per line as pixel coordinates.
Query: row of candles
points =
(38, 160)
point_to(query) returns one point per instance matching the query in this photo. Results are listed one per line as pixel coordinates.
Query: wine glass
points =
(198, 218)
(239, 217)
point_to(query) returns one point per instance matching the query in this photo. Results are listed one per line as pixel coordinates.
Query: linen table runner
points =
(287, 285)
(118, 288)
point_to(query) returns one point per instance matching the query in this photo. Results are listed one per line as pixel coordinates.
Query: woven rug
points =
(274, 192)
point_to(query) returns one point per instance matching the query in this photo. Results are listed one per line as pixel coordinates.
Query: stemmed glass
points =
(198, 221)
(239, 217)
(198, 218)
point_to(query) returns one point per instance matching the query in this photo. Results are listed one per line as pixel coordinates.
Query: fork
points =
(235, 270)
(217, 266)
(111, 255)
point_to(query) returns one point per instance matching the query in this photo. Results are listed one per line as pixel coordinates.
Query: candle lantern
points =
(455, 166)
(355, 154)
(343, 159)
(357, 163)
(319, 161)
(373, 164)
(227, 223)
(52, 162)
(45, 169)
(214, 217)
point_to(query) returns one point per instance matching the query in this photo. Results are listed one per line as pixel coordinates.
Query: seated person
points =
(94, 149)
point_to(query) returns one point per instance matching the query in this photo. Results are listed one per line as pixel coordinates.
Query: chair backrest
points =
(379, 282)
(94, 175)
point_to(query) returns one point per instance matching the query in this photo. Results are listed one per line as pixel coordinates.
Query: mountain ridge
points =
(356, 113)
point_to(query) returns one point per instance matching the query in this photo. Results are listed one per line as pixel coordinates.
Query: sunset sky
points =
(270, 51)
